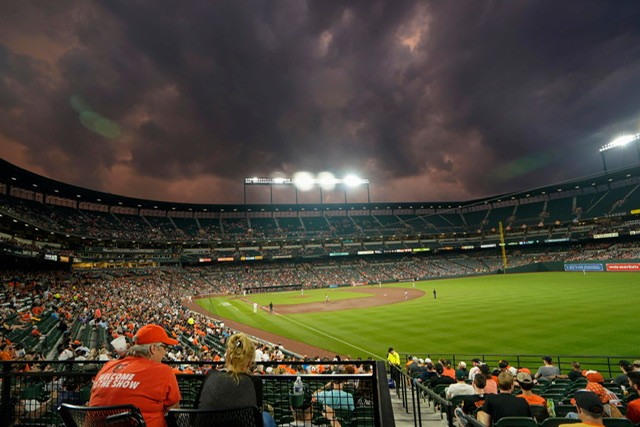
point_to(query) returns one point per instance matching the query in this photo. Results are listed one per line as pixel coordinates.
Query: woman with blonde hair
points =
(234, 387)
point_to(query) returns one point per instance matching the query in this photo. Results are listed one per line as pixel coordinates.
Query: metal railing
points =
(31, 398)
(608, 366)
(415, 396)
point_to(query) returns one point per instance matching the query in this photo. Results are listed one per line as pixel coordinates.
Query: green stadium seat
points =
(563, 410)
(554, 396)
(439, 389)
(362, 412)
(457, 400)
(630, 397)
(539, 412)
(362, 422)
(556, 421)
(516, 422)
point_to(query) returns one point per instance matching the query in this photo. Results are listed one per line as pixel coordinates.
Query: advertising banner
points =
(583, 267)
(624, 267)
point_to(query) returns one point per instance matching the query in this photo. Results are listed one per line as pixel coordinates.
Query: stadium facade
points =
(85, 228)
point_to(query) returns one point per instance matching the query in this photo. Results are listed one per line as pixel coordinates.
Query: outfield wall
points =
(618, 265)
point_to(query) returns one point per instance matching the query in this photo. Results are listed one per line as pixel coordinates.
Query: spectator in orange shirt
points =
(448, 371)
(6, 352)
(633, 407)
(140, 379)
(525, 382)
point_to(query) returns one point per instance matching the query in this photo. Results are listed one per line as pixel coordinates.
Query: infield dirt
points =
(380, 296)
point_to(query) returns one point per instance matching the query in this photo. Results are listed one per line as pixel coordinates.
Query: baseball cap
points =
(593, 376)
(624, 363)
(524, 378)
(460, 374)
(475, 359)
(150, 334)
(421, 361)
(503, 364)
(589, 401)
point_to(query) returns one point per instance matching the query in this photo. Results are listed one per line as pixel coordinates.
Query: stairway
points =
(404, 419)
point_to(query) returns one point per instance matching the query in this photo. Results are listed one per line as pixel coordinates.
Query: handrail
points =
(604, 364)
(404, 380)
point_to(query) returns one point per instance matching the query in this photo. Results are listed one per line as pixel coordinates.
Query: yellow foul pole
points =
(503, 246)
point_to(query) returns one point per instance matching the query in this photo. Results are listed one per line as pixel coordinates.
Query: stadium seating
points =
(98, 416)
(516, 422)
(249, 416)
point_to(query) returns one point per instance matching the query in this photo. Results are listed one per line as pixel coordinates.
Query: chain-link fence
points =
(31, 395)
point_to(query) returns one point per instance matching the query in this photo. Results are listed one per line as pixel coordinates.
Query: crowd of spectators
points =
(507, 391)
(161, 226)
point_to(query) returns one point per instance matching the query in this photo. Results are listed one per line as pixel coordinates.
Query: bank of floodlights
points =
(620, 141)
(305, 181)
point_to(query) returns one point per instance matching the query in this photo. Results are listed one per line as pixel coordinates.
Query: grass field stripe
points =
(331, 336)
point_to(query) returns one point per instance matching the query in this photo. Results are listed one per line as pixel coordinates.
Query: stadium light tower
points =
(304, 181)
(620, 141)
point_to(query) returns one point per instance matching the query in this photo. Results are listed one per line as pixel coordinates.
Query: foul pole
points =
(503, 246)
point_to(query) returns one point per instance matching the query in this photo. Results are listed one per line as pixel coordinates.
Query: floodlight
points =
(326, 180)
(620, 141)
(279, 180)
(352, 181)
(303, 181)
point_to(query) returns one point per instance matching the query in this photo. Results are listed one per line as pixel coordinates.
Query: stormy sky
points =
(430, 100)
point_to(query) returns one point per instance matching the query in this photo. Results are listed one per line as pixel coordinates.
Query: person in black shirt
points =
(576, 373)
(470, 404)
(625, 367)
(503, 404)
(427, 375)
(439, 378)
(235, 387)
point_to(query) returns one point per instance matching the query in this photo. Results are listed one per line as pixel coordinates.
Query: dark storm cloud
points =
(461, 99)
(538, 80)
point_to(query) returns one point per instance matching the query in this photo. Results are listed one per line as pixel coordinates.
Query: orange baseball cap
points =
(150, 334)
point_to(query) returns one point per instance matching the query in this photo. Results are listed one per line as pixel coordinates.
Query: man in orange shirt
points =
(525, 382)
(140, 379)
(633, 407)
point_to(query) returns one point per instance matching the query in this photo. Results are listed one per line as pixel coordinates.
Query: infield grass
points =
(534, 313)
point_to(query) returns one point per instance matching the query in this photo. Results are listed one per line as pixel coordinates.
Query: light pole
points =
(620, 141)
(307, 182)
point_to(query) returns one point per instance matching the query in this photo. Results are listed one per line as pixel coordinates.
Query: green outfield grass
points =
(536, 313)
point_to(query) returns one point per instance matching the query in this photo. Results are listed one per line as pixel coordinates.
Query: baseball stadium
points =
(550, 273)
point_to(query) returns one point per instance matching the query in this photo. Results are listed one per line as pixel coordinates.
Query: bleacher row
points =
(431, 220)
(559, 391)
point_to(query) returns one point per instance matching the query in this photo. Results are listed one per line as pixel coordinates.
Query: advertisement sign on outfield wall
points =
(624, 267)
(583, 267)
